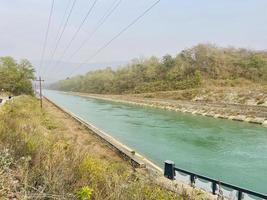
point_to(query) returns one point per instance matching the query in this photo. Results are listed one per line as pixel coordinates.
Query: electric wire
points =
(103, 19)
(63, 30)
(77, 31)
(63, 19)
(46, 36)
(101, 22)
(116, 36)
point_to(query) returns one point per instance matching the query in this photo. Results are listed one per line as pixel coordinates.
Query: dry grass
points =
(46, 155)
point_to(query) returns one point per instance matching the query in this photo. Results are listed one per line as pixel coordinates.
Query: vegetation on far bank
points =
(38, 160)
(16, 77)
(202, 64)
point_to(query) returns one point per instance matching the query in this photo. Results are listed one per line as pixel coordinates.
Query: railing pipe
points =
(169, 172)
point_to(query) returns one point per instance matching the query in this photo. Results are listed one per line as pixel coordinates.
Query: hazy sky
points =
(170, 27)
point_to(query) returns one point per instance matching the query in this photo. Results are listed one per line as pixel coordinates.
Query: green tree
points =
(188, 69)
(16, 77)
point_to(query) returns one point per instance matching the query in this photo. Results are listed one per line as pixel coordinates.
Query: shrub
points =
(84, 193)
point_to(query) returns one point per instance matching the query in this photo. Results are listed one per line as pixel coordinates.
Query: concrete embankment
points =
(246, 113)
(136, 159)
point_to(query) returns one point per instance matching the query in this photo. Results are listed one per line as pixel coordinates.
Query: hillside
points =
(196, 67)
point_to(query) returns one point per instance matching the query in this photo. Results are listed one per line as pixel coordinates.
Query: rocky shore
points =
(256, 114)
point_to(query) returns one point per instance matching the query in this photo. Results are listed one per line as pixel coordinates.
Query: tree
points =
(186, 70)
(16, 77)
(168, 61)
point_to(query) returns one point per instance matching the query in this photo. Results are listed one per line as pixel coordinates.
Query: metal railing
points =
(170, 169)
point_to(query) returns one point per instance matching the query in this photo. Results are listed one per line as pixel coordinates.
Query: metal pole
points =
(214, 187)
(240, 195)
(169, 170)
(40, 91)
(41, 97)
(35, 89)
(192, 180)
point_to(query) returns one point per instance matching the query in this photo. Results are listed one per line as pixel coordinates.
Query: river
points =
(233, 152)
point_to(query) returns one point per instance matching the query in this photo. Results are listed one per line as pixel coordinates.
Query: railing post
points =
(192, 180)
(169, 169)
(240, 195)
(214, 187)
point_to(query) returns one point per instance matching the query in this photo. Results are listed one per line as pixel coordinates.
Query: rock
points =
(199, 98)
(239, 118)
(265, 102)
(248, 119)
(231, 117)
(257, 120)
(222, 117)
(251, 102)
(209, 114)
(169, 108)
(198, 112)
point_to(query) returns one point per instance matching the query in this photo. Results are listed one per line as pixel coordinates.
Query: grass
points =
(38, 161)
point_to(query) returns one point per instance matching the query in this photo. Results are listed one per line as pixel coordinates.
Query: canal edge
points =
(137, 160)
(238, 118)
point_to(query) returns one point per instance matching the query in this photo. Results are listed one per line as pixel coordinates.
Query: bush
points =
(85, 193)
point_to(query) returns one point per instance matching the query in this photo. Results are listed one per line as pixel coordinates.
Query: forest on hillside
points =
(188, 69)
(16, 77)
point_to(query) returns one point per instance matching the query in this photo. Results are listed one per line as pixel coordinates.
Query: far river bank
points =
(256, 114)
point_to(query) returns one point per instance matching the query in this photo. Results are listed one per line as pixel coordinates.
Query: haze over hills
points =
(190, 68)
(55, 73)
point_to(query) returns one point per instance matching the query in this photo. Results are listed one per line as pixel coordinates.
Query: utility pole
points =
(35, 89)
(40, 91)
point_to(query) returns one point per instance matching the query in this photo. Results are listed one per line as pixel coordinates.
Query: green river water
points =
(233, 152)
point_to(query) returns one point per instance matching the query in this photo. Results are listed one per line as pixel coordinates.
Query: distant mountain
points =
(53, 71)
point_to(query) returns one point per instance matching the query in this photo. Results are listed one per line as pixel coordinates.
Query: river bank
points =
(48, 154)
(256, 114)
(142, 165)
(202, 145)
(199, 144)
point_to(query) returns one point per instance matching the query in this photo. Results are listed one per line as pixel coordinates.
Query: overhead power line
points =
(46, 35)
(103, 19)
(63, 30)
(116, 36)
(78, 30)
(63, 19)
(99, 24)
(61, 24)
